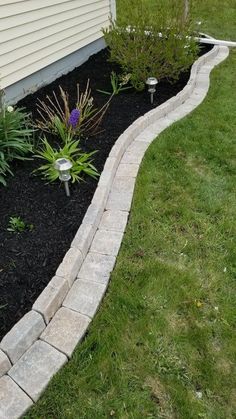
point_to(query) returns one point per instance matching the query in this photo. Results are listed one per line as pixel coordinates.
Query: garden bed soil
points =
(29, 260)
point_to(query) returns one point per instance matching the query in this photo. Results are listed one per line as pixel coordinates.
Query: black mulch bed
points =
(29, 260)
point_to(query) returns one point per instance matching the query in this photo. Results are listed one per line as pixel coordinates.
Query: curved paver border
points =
(45, 338)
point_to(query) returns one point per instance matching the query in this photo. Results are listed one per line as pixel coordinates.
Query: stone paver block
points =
(198, 95)
(108, 172)
(13, 401)
(22, 335)
(83, 238)
(93, 215)
(206, 69)
(160, 126)
(131, 158)
(36, 367)
(180, 112)
(120, 146)
(134, 152)
(130, 170)
(107, 242)
(66, 330)
(114, 220)
(137, 147)
(5, 364)
(70, 265)
(85, 297)
(100, 196)
(203, 81)
(51, 298)
(161, 111)
(121, 194)
(97, 268)
(146, 136)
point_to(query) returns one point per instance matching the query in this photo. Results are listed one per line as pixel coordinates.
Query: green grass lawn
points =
(162, 344)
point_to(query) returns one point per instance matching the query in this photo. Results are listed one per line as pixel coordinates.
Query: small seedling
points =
(17, 225)
(117, 84)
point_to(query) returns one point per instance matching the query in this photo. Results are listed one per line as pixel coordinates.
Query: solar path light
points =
(152, 83)
(63, 166)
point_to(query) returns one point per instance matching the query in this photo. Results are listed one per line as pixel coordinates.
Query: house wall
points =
(42, 39)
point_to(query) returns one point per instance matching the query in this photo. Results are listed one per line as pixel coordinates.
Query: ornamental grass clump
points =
(15, 137)
(152, 40)
(84, 119)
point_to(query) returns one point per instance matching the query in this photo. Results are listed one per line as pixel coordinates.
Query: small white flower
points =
(10, 109)
(225, 269)
(199, 23)
(199, 394)
(216, 308)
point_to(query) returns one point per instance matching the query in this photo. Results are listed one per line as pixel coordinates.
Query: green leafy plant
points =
(118, 84)
(81, 162)
(152, 41)
(15, 137)
(57, 118)
(17, 225)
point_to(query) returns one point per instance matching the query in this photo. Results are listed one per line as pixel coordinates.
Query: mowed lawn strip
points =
(162, 344)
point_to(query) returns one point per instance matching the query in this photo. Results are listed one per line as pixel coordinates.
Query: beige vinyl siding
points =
(36, 33)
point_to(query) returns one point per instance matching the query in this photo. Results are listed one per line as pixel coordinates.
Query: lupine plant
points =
(15, 137)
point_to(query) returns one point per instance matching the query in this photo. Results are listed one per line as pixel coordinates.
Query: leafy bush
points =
(152, 41)
(81, 162)
(15, 137)
(88, 117)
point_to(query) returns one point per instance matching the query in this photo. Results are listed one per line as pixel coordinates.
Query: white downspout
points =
(113, 9)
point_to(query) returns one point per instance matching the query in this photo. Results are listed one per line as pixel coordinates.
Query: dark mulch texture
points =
(29, 260)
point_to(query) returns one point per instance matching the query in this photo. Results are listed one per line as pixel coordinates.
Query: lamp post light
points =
(63, 166)
(152, 83)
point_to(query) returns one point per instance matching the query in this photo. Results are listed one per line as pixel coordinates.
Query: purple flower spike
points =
(74, 118)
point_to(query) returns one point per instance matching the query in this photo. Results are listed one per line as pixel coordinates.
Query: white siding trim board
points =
(35, 35)
(48, 59)
(21, 30)
(35, 15)
(29, 84)
(50, 38)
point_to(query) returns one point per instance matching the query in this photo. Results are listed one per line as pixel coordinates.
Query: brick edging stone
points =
(45, 338)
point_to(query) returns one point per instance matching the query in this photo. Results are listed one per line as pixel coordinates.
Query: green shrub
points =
(152, 41)
(15, 137)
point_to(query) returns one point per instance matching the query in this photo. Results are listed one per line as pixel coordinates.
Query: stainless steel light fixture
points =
(63, 166)
(151, 83)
